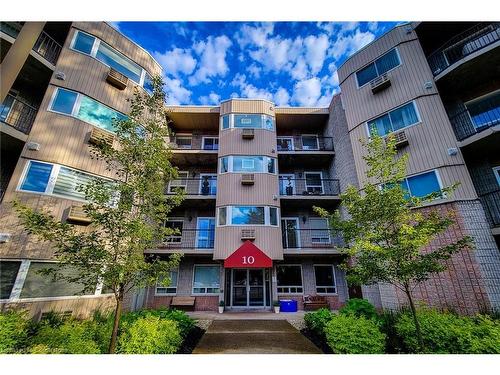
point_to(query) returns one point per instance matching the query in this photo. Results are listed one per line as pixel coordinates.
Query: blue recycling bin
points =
(288, 305)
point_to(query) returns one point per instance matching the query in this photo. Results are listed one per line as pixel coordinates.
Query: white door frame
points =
(298, 229)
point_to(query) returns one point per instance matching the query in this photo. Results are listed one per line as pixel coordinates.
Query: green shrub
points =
(317, 320)
(150, 335)
(359, 307)
(14, 328)
(347, 334)
(450, 333)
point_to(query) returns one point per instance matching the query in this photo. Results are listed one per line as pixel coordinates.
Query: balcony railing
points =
(195, 142)
(194, 186)
(304, 142)
(309, 238)
(491, 205)
(191, 239)
(466, 124)
(18, 114)
(309, 187)
(464, 44)
(47, 47)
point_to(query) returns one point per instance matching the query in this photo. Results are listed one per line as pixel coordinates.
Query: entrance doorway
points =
(248, 287)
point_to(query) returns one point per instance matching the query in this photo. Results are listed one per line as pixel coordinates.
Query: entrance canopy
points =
(248, 256)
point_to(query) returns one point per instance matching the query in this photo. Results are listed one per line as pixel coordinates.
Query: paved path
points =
(254, 337)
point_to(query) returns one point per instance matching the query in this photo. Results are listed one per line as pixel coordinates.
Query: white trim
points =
(299, 244)
(321, 179)
(496, 172)
(291, 138)
(262, 119)
(323, 286)
(267, 216)
(230, 164)
(291, 286)
(192, 281)
(309, 135)
(373, 62)
(203, 138)
(417, 112)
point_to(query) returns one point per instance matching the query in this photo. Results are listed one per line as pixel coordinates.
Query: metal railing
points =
(47, 47)
(465, 124)
(191, 239)
(194, 142)
(464, 44)
(309, 187)
(304, 143)
(293, 238)
(491, 205)
(17, 113)
(193, 186)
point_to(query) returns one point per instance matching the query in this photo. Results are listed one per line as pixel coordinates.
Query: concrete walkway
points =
(254, 336)
(245, 315)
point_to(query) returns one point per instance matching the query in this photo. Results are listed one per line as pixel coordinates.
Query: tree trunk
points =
(116, 323)
(415, 319)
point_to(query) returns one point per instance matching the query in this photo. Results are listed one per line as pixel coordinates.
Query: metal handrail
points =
(463, 123)
(293, 238)
(17, 113)
(193, 186)
(191, 239)
(297, 144)
(491, 205)
(300, 186)
(47, 47)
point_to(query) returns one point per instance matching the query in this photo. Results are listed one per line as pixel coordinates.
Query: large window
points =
(54, 179)
(248, 215)
(38, 284)
(84, 108)
(210, 143)
(485, 111)
(396, 119)
(289, 279)
(205, 233)
(249, 121)
(320, 233)
(8, 275)
(314, 182)
(101, 51)
(380, 66)
(422, 185)
(206, 280)
(172, 286)
(247, 164)
(325, 279)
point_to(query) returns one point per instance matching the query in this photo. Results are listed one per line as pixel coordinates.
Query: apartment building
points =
(252, 172)
(435, 86)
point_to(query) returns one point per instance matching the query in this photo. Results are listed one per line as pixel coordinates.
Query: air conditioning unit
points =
(77, 215)
(247, 134)
(380, 83)
(248, 234)
(99, 136)
(117, 79)
(401, 139)
(247, 179)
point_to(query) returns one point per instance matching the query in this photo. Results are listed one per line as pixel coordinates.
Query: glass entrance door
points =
(290, 234)
(248, 289)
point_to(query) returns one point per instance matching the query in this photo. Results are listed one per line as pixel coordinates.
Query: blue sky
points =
(289, 63)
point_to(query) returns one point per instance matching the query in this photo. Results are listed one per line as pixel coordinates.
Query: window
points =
(179, 184)
(289, 279)
(422, 185)
(485, 111)
(496, 172)
(148, 84)
(176, 225)
(205, 233)
(247, 164)
(396, 119)
(208, 184)
(310, 142)
(320, 233)
(325, 279)
(210, 143)
(314, 182)
(37, 284)
(285, 143)
(249, 121)
(101, 51)
(206, 280)
(172, 286)
(8, 275)
(54, 179)
(380, 66)
(183, 142)
(248, 215)
(84, 108)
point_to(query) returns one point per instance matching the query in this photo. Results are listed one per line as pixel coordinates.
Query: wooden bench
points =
(183, 303)
(315, 302)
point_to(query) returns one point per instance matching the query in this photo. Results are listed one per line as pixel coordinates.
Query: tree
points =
(127, 214)
(385, 231)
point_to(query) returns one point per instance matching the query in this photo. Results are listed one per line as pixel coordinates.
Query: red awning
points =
(248, 256)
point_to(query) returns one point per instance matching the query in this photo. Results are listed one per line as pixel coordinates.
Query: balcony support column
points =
(17, 56)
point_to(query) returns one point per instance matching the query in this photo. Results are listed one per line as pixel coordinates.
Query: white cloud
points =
(256, 35)
(248, 90)
(299, 71)
(176, 93)
(307, 92)
(348, 44)
(212, 54)
(212, 98)
(372, 26)
(254, 70)
(176, 61)
(316, 51)
(281, 97)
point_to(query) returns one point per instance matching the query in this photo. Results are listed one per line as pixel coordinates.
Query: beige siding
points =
(231, 192)
(247, 106)
(228, 240)
(231, 143)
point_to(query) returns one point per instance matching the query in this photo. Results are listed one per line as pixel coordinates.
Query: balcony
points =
(310, 240)
(17, 113)
(310, 190)
(491, 205)
(462, 45)
(198, 192)
(194, 149)
(303, 149)
(197, 240)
